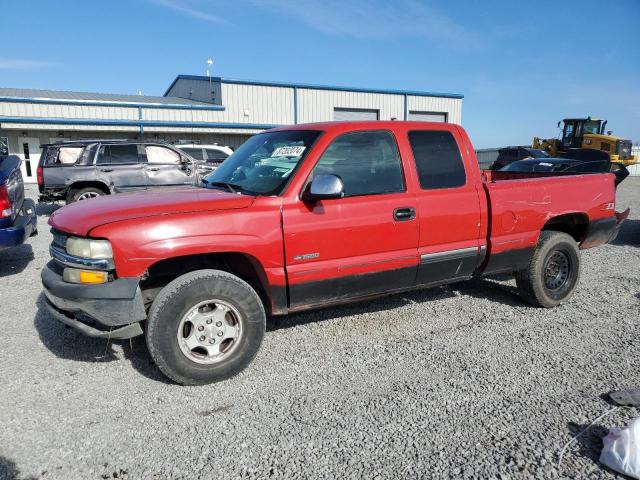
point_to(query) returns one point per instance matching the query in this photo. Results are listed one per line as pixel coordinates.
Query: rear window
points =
(58, 155)
(438, 159)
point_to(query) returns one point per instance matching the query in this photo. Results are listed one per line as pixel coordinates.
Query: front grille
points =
(624, 149)
(59, 239)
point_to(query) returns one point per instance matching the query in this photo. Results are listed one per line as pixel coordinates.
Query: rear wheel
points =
(205, 326)
(84, 194)
(553, 273)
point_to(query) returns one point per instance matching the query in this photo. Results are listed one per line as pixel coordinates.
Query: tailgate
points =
(12, 178)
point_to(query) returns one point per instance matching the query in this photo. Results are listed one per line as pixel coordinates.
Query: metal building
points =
(200, 109)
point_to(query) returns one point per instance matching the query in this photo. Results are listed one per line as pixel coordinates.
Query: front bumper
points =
(116, 307)
(24, 225)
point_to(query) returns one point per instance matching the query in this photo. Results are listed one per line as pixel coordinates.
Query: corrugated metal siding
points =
(354, 114)
(43, 110)
(270, 105)
(318, 105)
(427, 116)
(250, 104)
(452, 106)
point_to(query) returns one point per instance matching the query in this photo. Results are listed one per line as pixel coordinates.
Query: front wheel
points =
(205, 326)
(553, 273)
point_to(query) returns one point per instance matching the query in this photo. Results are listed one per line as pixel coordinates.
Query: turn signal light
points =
(88, 277)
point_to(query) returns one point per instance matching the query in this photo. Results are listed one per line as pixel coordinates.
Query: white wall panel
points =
(317, 105)
(452, 106)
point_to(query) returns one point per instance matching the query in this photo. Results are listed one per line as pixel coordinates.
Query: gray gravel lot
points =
(460, 381)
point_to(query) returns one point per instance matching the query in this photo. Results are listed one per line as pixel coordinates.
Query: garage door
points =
(428, 116)
(344, 114)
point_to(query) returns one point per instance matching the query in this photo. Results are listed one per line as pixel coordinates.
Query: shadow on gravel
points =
(9, 470)
(629, 234)
(65, 342)
(590, 443)
(477, 287)
(15, 260)
(46, 208)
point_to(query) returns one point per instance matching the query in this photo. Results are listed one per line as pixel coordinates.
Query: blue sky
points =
(522, 66)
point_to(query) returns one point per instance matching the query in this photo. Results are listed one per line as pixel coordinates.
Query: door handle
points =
(106, 170)
(153, 169)
(404, 214)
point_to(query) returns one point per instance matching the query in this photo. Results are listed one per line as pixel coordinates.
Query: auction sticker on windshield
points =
(291, 151)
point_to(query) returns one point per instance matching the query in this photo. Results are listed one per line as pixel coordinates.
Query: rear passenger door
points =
(449, 209)
(119, 167)
(357, 245)
(164, 167)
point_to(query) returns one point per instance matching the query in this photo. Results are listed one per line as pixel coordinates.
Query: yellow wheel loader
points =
(581, 136)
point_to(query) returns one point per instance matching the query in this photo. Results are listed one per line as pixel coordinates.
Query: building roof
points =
(315, 87)
(88, 97)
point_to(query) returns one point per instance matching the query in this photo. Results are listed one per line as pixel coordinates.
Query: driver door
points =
(358, 245)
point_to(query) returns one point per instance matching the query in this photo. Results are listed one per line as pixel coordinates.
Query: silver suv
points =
(79, 170)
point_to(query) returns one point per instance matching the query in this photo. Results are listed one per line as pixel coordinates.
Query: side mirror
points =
(323, 187)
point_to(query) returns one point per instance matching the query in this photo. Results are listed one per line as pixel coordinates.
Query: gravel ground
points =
(461, 381)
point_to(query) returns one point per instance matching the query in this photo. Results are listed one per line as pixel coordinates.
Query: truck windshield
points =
(264, 163)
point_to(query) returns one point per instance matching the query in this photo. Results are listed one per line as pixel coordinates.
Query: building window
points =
(351, 114)
(418, 116)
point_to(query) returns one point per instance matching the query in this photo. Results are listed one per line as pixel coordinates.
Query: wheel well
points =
(81, 185)
(241, 265)
(574, 224)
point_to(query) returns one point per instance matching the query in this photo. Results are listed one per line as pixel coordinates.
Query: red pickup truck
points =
(309, 216)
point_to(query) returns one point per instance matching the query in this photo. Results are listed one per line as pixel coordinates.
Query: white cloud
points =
(189, 11)
(370, 19)
(23, 64)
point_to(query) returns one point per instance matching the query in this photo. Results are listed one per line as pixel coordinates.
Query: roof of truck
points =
(368, 125)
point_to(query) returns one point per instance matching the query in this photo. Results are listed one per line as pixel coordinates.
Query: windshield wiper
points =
(232, 187)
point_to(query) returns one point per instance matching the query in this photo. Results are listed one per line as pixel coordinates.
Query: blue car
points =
(18, 220)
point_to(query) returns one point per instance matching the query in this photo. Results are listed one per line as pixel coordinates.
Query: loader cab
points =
(575, 129)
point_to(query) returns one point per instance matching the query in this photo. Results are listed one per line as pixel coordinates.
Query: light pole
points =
(209, 67)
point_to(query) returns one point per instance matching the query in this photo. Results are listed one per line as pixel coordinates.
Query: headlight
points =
(88, 248)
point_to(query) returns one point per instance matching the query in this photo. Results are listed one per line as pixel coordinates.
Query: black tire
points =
(553, 273)
(176, 299)
(79, 194)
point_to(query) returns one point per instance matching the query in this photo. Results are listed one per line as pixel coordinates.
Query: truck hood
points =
(81, 217)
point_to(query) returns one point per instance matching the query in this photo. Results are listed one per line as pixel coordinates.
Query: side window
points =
(195, 153)
(163, 155)
(118, 154)
(437, 159)
(216, 155)
(69, 155)
(367, 162)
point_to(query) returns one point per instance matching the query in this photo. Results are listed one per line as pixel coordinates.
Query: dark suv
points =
(78, 170)
(508, 155)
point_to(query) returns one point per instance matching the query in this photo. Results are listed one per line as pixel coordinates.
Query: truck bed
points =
(521, 204)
